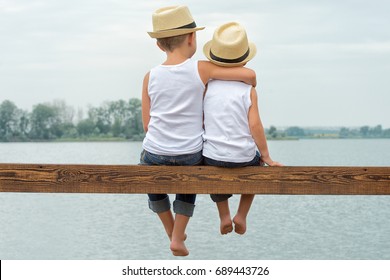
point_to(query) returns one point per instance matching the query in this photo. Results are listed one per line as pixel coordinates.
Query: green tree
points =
(344, 132)
(272, 131)
(117, 128)
(119, 114)
(24, 125)
(376, 131)
(364, 130)
(134, 128)
(44, 122)
(101, 117)
(8, 120)
(295, 131)
(63, 126)
(86, 127)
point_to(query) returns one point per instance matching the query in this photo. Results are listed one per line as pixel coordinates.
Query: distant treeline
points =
(122, 120)
(58, 121)
(296, 132)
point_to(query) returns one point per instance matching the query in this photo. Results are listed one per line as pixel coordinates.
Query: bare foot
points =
(170, 237)
(226, 225)
(239, 224)
(178, 248)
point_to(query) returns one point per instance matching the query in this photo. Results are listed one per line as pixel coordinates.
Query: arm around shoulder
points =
(208, 70)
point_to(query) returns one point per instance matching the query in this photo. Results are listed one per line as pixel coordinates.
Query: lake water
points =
(120, 226)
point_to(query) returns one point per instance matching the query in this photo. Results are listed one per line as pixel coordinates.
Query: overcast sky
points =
(319, 63)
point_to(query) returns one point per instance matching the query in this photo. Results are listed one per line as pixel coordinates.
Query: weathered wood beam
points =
(66, 178)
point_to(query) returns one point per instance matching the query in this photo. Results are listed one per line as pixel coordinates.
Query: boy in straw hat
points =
(172, 100)
(232, 124)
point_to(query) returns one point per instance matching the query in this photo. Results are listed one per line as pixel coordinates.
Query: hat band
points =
(226, 60)
(190, 25)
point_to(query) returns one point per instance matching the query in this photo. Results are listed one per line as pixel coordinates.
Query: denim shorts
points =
(184, 204)
(256, 161)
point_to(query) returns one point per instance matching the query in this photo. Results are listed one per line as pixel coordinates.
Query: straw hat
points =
(172, 21)
(229, 46)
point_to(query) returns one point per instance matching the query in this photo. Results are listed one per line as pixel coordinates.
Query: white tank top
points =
(176, 99)
(227, 134)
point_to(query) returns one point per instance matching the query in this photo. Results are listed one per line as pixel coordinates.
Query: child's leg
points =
(226, 225)
(183, 206)
(159, 203)
(167, 221)
(243, 209)
(178, 247)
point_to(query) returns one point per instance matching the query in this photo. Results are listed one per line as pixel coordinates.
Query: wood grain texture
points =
(65, 178)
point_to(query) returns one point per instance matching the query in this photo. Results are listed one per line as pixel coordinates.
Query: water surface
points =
(120, 226)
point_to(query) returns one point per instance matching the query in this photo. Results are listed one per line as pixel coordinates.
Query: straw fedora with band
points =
(172, 21)
(229, 46)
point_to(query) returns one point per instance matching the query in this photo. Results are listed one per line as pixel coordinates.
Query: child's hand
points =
(269, 162)
(275, 163)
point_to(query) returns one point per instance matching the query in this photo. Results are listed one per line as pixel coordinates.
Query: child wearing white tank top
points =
(233, 128)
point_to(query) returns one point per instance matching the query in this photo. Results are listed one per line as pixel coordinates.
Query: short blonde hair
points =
(171, 43)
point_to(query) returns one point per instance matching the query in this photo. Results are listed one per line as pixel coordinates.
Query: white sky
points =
(319, 63)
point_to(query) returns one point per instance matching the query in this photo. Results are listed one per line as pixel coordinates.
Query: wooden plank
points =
(303, 180)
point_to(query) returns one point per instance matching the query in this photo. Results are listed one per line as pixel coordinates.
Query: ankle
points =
(239, 224)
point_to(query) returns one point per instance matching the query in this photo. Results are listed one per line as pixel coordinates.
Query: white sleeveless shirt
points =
(227, 134)
(176, 99)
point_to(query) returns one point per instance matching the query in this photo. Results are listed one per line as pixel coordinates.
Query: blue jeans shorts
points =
(256, 161)
(184, 204)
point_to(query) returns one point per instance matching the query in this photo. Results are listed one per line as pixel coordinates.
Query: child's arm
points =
(145, 103)
(257, 131)
(208, 70)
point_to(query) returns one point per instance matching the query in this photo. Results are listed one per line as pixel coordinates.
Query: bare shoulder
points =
(147, 76)
(145, 83)
(146, 79)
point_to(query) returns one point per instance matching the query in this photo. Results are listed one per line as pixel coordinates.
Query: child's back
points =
(227, 134)
(176, 98)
